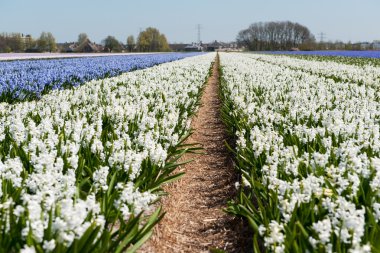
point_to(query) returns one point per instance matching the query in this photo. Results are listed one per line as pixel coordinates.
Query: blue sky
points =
(354, 20)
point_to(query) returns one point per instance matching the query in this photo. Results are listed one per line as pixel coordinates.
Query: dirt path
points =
(194, 221)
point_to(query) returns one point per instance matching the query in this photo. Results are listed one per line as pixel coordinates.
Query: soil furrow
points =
(194, 220)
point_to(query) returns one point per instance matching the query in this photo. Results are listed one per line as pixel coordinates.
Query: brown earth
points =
(194, 220)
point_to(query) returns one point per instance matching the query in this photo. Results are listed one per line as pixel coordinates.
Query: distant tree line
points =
(17, 42)
(339, 45)
(149, 40)
(275, 36)
(11, 42)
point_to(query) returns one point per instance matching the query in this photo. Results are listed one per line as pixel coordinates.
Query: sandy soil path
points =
(194, 220)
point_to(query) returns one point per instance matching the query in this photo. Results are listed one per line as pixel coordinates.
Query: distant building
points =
(194, 47)
(222, 46)
(365, 45)
(376, 44)
(215, 46)
(26, 38)
(177, 47)
(198, 47)
(86, 47)
(67, 47)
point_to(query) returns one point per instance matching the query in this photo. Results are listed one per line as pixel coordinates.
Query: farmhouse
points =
(86, 47)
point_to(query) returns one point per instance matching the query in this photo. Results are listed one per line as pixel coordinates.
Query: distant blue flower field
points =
(25, 79)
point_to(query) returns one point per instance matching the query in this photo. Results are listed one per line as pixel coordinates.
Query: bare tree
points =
(274, 36)
(131, 43)
(46, 42)
(82, 37)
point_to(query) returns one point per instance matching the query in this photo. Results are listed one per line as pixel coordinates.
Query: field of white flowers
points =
(308, 147)
(80, 168)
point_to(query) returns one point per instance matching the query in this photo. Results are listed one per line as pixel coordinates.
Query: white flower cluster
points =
(48, 147)
(132, 201)
(274, 239)
(315, 139)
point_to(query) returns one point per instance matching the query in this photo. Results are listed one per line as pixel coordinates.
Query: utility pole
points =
(321, 36)
(199, 27)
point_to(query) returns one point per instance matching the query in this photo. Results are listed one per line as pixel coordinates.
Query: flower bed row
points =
(368, 54)
(309, 152)
(366, 74)
(29, 79)
(81, 167)
(358, 61)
